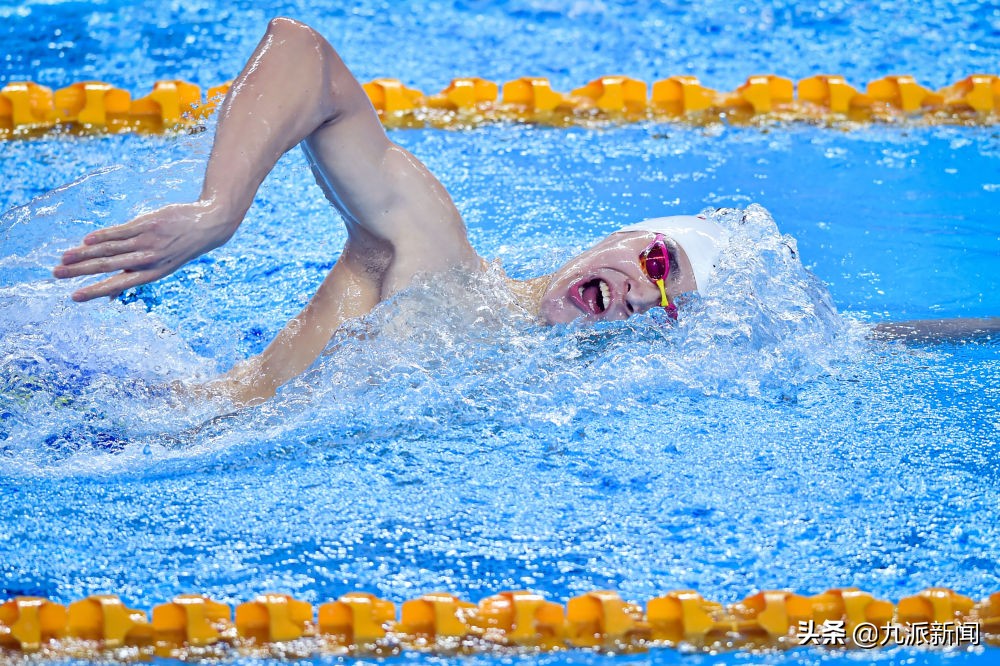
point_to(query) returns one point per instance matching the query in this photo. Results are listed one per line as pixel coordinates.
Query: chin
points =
(560, 318)
(558, 311)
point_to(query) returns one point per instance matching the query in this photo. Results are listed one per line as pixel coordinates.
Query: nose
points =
(640, 297)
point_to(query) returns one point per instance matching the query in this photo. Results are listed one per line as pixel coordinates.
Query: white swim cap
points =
(702, 241)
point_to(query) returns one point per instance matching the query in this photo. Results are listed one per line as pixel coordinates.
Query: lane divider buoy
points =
(103, 627)
(28, 109)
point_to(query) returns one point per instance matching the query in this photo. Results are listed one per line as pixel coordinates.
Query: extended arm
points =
(346, 293)
(940, 330)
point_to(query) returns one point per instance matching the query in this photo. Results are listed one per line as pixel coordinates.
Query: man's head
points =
(609, 281)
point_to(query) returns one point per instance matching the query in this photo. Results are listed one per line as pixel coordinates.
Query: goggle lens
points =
(656, 264)
(654, 261)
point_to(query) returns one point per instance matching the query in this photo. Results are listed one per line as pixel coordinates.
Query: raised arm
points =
(294, 87)
(400, 220)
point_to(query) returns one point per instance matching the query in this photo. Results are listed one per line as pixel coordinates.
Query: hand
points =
(148, 248)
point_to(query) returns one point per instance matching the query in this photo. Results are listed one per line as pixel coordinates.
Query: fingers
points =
(106, 249)
(114, 285)
(116, 233)
(105, 264)
(106, 242)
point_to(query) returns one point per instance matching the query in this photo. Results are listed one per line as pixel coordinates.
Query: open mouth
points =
(592, 296)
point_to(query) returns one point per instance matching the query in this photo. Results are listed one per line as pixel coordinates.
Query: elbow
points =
(289, 29)
(310, 58)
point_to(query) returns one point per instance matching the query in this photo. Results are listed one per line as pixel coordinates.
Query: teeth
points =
(605, 294)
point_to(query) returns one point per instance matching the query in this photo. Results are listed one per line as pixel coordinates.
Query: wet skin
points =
(606, 282)
(296, 91)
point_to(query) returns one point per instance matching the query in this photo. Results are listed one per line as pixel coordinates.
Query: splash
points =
(80, 382)
(88, 389)
(450, 441)
(767, 324)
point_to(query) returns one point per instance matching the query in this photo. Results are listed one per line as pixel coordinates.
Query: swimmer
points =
(400, 221)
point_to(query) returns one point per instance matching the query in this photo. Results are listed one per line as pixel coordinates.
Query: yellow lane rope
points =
(28, 109)
(277, 625)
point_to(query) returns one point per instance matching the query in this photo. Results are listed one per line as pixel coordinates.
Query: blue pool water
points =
(761, 443)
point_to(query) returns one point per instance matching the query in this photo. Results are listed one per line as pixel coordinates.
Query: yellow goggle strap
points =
(664, 299)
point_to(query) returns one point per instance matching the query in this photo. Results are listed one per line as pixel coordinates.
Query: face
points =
(605, 282)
